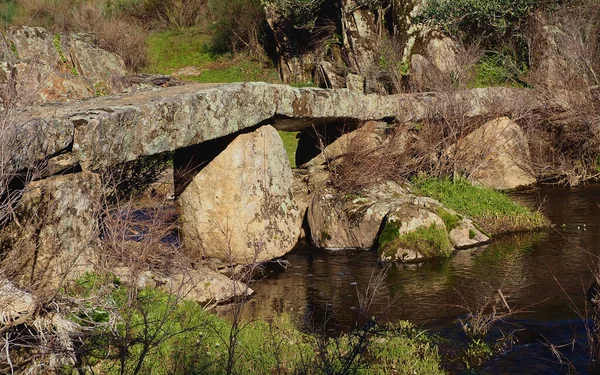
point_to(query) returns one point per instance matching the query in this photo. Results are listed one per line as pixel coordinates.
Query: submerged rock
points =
(240, 207)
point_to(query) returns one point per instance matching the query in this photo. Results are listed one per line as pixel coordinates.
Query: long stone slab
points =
(109, 130)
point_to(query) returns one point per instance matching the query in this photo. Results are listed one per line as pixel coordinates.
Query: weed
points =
(290, 142)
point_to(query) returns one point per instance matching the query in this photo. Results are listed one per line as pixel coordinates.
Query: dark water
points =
(545, 274)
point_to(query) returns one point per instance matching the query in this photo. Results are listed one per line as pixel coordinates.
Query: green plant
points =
(290, 142)
(238, 25)
(450, 220)
(493, 19)
(429, 241)
(8, 11)
(477, 353)
(500, 68)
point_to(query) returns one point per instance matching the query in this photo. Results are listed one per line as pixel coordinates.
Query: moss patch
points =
(450, 220)
(431, 242)
(494, 212)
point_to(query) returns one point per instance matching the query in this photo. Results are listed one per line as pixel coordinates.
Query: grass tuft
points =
(491, 210)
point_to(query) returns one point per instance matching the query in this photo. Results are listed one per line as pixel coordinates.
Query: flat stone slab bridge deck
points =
(109, 130)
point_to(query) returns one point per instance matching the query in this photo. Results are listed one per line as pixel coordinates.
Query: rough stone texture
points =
(360, 36)
(58, 67)
(371, 136)
(203, 285)
(55, 230)
(240, 207)
(114, 129)
(496, 155)
(339, 220)
(355, 82)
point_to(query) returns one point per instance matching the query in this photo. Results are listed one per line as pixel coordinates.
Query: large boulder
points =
(496, 155)
(58, 67)
(55, 231)
(240, 208)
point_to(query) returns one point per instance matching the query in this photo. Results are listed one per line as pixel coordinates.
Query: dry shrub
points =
(366, 163)
(425, 146)
(566, 48)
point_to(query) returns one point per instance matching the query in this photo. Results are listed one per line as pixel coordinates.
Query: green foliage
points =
(472, 234)
(431, 241)
(237, 25)
(390, 232)
(297, 14)
(493, 19)
(500, 68)
(8, 10)
(290, 142)
(410, 352)
(477, 353)
(153, 332)
(172, 50)
(492, 210)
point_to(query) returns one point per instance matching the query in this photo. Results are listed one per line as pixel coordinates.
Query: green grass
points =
(491, 210)
(431, 242)
(171, 50)
(290, 142)
(499, 69)
(189, 340)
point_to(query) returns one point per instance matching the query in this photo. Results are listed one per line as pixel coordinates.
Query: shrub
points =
(493, 19)
(238, 25)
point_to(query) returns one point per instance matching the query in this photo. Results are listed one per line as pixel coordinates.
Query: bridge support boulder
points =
(239, 208)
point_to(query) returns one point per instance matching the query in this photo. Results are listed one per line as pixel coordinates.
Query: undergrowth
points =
(492, 211)
(151, 331)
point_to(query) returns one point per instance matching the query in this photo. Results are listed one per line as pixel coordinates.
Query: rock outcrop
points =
(41, 66)
(240, 208)
(382, 217)
(56, 230)
(496, 155)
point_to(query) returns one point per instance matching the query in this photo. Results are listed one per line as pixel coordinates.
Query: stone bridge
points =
(105, 131)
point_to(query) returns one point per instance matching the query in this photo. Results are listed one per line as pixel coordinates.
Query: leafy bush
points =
(488, 18)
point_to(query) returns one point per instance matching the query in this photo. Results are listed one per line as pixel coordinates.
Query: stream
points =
(544, 277)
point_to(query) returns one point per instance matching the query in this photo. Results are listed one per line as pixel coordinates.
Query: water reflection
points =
(544, 272)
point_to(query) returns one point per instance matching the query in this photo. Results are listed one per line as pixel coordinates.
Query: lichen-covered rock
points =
(370, 137)
(114, 129)
(56, 230)
(423, 228)
(495, 156)
(202, 284)
(58, 67)
(339, 220)
(240, 207)
(403, 226)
